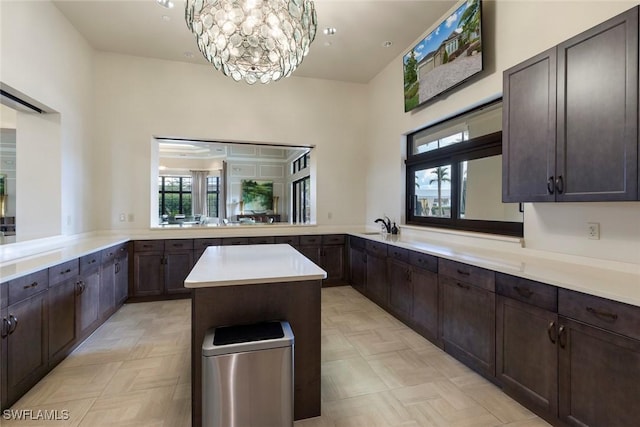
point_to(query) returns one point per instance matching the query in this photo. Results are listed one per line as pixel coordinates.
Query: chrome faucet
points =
(386, 222)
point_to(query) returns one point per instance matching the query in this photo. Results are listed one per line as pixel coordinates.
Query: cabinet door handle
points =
(13, 323)
(463, 286)
(80, 287)
(559, 184)
(6, 327)
(562, 336)
(551, 331)
(550, 187)
(462, 272)
(524, 292)
(33, 285)
(610, 317)
(408, 275)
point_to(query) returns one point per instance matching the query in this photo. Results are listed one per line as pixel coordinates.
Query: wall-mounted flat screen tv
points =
(446, 57)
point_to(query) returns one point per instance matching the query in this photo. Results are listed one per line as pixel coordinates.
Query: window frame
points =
(300, 187)
(474, 148)
(216, 192)
(163, 192)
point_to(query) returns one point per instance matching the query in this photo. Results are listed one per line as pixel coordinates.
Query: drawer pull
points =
(13, 324)
(33, 285)
(178, 245)
(610, 317)
(524, 292)
(462, 272)
(146, 246)
(80, 287)
(551, 331)
(562, 336)
(463, 286)
(5, 330)
(68, 270)
(92, 261)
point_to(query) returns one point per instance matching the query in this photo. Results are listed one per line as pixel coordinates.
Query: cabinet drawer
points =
(262, 240)
(148, 245)
(90, 263)
(607, 314)
(290, 240)
(26, 286)
(376, 248)
(205, 243)
(310, 240)
(62, 272)
(356, 242)
(235, 241)
(528, 291)
(398, 253)
(122, 250)
(109, 254)
(333, 239)
(420, 260)
(467, 273)
(178, 245)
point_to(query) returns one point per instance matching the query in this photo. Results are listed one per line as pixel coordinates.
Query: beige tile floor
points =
(135, 371)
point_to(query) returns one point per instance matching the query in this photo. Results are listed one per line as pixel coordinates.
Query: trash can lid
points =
(243, 338)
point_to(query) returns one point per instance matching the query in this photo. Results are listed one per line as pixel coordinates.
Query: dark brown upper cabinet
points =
(570, 119)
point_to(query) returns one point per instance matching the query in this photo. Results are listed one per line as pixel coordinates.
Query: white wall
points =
(137, 98)
(513, 31)
(45, 58)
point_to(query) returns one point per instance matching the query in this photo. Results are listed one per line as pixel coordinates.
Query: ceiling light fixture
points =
(253, 40)
(388, 43)
(165, 3)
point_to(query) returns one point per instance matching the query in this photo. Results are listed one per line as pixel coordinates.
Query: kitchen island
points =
(233, 285)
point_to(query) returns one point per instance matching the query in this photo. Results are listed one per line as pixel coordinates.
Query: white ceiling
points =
(356, 54)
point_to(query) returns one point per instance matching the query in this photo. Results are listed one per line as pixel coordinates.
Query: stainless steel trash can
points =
(247, 376)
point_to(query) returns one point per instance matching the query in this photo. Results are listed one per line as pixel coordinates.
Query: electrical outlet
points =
(593, 230)
(122, 217)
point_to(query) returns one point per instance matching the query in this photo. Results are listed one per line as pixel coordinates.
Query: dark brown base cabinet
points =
(424, 279)
(26, 346)
(44, 316)
(527, 354)
(161, 266)
(571, 358)
(400, 284)
(327, 251)
(358, 264)
(467, 314)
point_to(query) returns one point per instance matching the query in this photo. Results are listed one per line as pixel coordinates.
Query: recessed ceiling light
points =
(387, 43)
(188, 54)
(327, 43)
(165, 3)
(166, 18)
(330, 31)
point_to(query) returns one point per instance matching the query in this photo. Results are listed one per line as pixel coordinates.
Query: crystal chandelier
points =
(253, 40)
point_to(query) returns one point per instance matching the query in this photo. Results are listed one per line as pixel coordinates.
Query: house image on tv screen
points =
(449, 55)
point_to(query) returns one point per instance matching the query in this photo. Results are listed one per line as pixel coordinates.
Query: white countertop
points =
(589, 276)
(251, 264)
(615, 281)
(50, 253)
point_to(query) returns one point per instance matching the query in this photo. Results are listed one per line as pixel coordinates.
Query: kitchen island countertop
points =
(251, 264)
